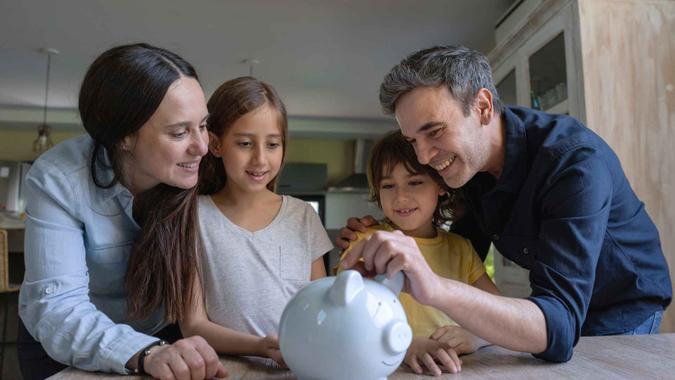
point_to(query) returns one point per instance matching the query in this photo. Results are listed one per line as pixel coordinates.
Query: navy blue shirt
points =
(563, 208)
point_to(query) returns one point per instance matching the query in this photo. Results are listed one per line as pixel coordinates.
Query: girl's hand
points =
(459, 339)
(269, 347)
(429, 353)
(187, 359)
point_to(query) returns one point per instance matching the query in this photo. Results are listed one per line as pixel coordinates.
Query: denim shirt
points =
(563, 208)
(77, 243)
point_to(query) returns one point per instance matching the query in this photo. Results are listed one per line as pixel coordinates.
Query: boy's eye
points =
(415, 183)
(244, 144)
(387, 186)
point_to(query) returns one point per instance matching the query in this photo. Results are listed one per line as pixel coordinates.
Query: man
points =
(549, 193)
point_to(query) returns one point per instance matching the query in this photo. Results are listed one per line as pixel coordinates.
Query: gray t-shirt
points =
(250, 276)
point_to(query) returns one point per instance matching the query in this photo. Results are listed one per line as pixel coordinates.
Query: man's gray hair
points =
(464, 71)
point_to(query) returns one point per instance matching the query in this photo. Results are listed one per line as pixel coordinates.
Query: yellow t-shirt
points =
(448, 255)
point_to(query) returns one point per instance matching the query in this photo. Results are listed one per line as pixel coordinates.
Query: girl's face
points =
(409, 200)
(251, 149)
(169, 146)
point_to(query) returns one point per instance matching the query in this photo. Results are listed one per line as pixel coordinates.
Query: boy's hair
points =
(393, 149)
(232, 100)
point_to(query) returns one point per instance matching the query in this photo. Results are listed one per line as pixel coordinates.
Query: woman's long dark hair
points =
(120, 92)
(391, 150)
(232, 100)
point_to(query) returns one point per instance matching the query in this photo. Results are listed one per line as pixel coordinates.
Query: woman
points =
(110, 236)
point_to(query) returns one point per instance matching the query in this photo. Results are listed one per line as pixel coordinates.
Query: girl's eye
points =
(179, 135)
(203, 126)
(273, 145)
(244, 144)
(415, 183)
(387, 186)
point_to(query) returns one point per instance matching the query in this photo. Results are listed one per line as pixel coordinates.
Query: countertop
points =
(607, 357)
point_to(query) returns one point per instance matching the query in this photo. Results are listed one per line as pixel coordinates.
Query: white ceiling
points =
(325, 57)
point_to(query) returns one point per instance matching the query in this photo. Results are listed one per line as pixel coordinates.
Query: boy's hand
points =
(459, 339)
(428, 353)
(348, 233)
(269, 347)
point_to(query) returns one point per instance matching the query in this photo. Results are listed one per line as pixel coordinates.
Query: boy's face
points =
(409, 200)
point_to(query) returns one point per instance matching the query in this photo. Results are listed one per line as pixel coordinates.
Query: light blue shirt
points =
(78, 241)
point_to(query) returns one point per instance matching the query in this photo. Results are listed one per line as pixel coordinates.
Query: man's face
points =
(443, 138)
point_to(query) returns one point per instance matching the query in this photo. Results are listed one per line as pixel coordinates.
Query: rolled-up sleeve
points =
(574, 216)
(54, 301)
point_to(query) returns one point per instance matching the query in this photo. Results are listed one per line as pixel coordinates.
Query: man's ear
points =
(484, 106)
(214, 145)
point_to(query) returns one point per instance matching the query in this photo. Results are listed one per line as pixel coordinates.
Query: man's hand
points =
(391, 252)
(348, 233)
(459, 339)
(269, 347)
(428, 353)
(187, 359)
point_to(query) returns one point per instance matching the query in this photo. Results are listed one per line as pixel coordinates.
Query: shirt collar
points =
(105, 173)
(515, 152)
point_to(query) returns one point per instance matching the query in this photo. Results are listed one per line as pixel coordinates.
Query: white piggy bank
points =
(345, 327)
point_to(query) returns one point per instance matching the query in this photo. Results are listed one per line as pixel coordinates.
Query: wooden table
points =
(611, 357)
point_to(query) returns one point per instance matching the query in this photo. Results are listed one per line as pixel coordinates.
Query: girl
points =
(259, 248)
(416, 201)
(110, 236)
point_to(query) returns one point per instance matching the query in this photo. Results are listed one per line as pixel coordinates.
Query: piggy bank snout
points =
(397, 337)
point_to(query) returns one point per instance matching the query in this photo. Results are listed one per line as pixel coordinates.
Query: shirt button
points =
(525, 251)
(495, 237)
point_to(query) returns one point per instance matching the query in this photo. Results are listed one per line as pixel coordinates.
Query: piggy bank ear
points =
(346, 286)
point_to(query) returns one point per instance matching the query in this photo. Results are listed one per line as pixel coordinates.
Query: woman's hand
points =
(459, 339)
(428, 353)
(269, 347)
(187, 359)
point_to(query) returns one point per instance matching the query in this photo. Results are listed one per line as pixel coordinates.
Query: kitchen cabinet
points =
(610, 64)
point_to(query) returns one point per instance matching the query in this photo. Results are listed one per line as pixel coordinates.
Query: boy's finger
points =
(352, 257)
(368, 221)
(355, 224)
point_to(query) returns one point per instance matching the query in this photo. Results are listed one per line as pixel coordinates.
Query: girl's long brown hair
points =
(121, 90)
(232, 100)
(391, 150)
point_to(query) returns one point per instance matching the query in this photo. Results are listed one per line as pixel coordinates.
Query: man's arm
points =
(515, 324)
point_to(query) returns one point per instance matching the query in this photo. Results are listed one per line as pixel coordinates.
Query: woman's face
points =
(169, 146)
(251, 149)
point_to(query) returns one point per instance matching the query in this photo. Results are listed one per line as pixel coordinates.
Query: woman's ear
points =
(214, 145)
(128, 143)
